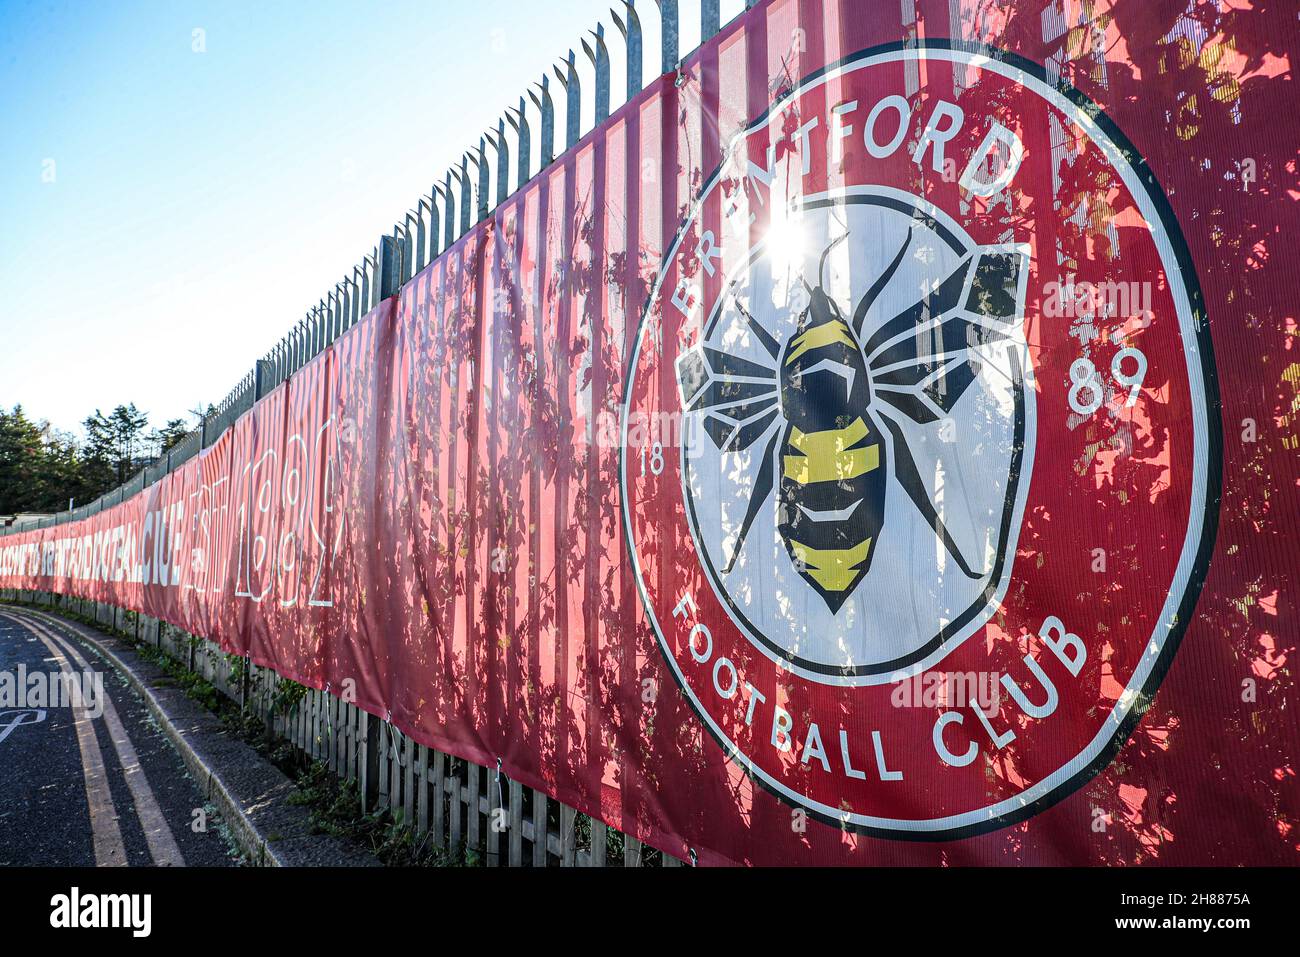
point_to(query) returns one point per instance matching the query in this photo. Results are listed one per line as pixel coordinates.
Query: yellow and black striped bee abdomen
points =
(833, 468)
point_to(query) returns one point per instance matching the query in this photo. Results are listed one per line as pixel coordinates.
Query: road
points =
(97, 785)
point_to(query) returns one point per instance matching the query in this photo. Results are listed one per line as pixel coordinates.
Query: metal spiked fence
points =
(464, 195)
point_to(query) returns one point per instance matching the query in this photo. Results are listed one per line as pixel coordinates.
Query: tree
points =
(117, 444)
(20, 453)
(160, 440)
(129, 424)
(40, 468)
(172, 433)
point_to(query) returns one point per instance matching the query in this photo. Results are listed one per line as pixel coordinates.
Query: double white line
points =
(106, 835)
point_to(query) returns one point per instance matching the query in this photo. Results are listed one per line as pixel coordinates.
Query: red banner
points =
(873, 444)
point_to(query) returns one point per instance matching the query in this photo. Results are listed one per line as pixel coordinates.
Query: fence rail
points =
(416, 241)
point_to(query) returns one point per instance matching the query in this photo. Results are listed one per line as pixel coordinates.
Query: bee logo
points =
(855, 427)
(825, 399)
(861, 455)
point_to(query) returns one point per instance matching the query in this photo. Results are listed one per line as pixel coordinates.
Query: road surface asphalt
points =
(80, 789)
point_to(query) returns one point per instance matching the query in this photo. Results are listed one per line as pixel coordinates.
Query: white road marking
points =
(162, 843)
(106, 836)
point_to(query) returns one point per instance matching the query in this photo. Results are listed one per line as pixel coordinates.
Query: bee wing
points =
(739, 396)
(921, 361)
(763, 481)
(868, 300)
(910, 479)
(739, 401)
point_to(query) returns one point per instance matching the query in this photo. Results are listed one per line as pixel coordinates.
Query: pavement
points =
(84, 789)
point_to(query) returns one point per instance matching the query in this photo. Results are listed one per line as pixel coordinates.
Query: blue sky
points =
(167, 214)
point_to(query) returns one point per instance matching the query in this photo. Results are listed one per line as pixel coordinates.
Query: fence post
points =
(668, 39)
(503, 162)
(523, 133)
(598, 53)
(631, 31)
(263, 377)
(449, 213)
(710, 19)
(387, 281)
(546, 107)
(463, 176)
(483, 183)
(573, 101)
(434, 222)
(369, 762)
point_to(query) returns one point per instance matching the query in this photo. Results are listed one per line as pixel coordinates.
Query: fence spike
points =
(573, 101)
(341, 317)
(599, 57)
(433, 221)
(546, 106)
(406, 245)
(503, 160)
(463, 176)
(481, 162)
(449, 213)
(632, 38)
(522, 132)
(419, 230)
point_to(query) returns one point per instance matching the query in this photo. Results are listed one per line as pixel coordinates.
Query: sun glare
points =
(786, 242)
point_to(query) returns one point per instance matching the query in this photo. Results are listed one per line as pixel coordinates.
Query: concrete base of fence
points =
(250, 794)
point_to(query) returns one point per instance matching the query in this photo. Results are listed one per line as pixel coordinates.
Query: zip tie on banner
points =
(695, 858)
(329, 721)
(389, 729)
(501, 797)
